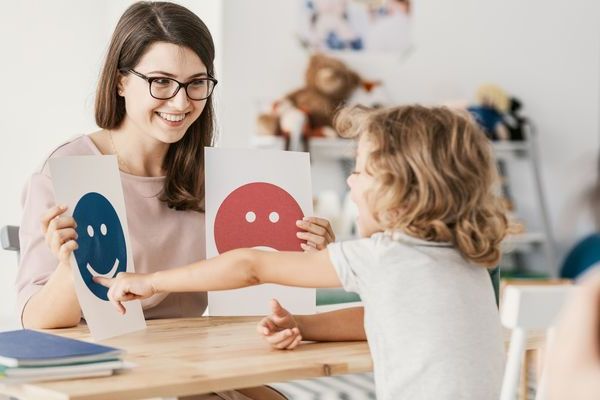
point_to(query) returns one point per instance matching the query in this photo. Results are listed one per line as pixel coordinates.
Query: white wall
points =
(546, 53)
(52, 53)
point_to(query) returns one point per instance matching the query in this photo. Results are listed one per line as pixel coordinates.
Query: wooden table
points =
(178, 357)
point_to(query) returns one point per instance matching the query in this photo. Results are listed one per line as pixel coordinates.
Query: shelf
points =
(523, 241)
(332, 148)
(341, 149)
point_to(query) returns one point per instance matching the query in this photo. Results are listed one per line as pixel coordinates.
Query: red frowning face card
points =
(258, 215)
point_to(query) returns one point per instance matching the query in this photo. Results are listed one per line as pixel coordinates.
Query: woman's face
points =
(360, 183)
(163, 120)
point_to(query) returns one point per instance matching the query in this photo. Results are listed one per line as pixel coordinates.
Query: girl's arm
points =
(231, 270)
(326, 326)
(282, 330)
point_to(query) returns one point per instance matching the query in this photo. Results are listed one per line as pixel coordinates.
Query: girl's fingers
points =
(295, 343)
(284, 343)
(285, 335)
(266, 327)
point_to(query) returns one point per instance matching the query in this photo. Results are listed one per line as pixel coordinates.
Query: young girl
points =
(430, 222)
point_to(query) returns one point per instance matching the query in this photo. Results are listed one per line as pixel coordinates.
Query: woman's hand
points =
(60, 234)
(318, 233)
(126, 287)
(280, 329)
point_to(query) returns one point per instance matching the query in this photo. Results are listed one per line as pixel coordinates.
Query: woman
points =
(154, 106)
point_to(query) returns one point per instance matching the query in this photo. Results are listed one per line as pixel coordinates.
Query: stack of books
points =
(27, 355)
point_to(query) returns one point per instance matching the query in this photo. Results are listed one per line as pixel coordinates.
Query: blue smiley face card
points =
(91, 187)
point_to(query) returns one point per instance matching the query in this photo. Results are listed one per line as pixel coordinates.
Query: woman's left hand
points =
(318, 233)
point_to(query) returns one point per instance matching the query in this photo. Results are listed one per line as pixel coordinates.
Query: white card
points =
(91, 187)
(253, 199)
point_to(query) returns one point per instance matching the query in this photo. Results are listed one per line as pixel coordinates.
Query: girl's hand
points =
(280, 329)
(126, 287)
(318, 233)
(59, 232)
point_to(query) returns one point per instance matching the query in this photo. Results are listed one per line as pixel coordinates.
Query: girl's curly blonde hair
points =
(435, 176)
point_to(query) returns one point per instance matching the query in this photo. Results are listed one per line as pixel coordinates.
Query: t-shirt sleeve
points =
(36, 262)
(352, 260)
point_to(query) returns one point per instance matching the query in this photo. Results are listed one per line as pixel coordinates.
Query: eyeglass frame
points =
(151, 79)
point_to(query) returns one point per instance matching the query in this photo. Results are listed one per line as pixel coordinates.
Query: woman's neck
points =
(137, 153)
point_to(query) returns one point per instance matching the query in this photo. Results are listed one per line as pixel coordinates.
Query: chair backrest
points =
(9, 236)
(525, 309)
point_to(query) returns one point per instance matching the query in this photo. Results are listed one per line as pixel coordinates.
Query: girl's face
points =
(165, 121)
(360, 182)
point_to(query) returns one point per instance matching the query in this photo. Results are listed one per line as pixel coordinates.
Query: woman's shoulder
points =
(81, 145)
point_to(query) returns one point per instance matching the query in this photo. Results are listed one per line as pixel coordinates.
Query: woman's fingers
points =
(50, 215)
(317, 232)
(308, 247)
(319, 226)
(311, 227)
(66, 249)
(58, 238)
(319, 241)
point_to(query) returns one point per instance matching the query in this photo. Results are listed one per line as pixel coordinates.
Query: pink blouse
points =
(160, 237)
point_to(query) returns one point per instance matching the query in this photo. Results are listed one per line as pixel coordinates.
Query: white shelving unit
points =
(543, 240)
(333, 149)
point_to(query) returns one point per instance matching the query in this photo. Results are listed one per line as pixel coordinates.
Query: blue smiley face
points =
(102, 250)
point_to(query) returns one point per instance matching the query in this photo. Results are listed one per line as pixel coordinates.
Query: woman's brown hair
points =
(435, 177)
(142, 25)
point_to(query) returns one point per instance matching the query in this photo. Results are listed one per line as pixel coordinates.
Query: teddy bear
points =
(308, 111)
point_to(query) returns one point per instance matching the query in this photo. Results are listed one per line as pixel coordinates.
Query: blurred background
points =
(544, 53)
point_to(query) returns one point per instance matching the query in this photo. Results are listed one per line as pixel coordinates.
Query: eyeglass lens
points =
(165, 88)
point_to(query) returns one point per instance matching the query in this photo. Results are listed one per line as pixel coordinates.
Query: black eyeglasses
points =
(162, 88)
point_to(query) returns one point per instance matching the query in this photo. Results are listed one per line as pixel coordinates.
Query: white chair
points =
(525, 309)
(9, 236)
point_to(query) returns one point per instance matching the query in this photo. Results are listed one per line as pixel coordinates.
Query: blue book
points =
(27, 348)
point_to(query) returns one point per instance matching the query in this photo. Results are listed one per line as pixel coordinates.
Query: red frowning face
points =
(259, 215)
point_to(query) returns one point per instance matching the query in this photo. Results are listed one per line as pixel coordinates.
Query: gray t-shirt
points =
(430, 317)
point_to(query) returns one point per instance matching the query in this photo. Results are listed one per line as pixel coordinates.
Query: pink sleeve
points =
(36, 262)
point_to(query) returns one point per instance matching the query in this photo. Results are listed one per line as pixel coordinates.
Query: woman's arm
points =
(55, 305)
(231, 270)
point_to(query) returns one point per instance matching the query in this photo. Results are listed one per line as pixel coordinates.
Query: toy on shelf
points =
(492, 104)
(499, 114)
(514, 121)
(308, 111)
